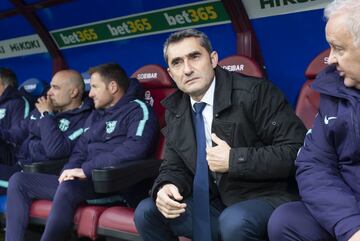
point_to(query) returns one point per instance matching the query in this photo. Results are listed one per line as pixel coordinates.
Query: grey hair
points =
(351, 9)
(187, 33)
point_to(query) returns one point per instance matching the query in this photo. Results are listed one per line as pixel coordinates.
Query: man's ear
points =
(74, 93)
(169, 71)
(113, 87)
(214, 58)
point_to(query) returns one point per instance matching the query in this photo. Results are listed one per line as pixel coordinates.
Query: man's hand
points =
(355, 237)
(71, 174)
(218, 156)
(167, 201)
(44, 104)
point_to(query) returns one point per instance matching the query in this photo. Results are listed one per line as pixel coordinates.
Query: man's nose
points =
(91, 95)
(188, 69)
(332, 58)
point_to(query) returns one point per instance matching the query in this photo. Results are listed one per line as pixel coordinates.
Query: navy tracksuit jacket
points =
(13, 109)
(44, 138)
(122, 133)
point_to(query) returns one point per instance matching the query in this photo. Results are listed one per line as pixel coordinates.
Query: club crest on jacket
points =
(110, 126)
(64, 124)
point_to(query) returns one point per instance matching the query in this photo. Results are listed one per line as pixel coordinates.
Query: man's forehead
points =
(96, 78)
(58, 81)
(183, 49)
(61, 80)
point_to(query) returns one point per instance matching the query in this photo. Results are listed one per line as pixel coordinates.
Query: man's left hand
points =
(218, 156)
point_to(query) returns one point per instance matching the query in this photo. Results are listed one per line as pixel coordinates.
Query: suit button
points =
(214, 181)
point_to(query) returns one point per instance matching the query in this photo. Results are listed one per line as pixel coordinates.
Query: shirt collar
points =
(208, 98)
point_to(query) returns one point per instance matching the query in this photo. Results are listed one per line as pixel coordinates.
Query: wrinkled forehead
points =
(184, 47)
(337, 30)
(59, 80)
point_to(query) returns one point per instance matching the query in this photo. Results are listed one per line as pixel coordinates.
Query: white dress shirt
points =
(208, 111)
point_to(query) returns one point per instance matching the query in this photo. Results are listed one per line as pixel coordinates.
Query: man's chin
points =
(56, 107)
(348, 82)
(97, 106)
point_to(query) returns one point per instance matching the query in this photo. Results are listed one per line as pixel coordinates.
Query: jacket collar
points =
(178, 102)
(9, 92)
(223, 89)
(329, 82)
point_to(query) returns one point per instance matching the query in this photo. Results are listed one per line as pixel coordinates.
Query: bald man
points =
(52, 129)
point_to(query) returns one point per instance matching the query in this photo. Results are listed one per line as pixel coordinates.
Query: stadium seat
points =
(308, 100)
(86, 78)
(32, 89)
(40, 209)
(243, 65)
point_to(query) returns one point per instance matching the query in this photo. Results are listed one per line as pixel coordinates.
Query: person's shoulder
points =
(173, 100)
(138, 106)
(16, 101)
(239, 81)
(248, 83)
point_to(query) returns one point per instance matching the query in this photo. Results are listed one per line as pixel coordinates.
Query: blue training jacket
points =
(50, 137)
(328, 164)
(13, 108)
(124, 132)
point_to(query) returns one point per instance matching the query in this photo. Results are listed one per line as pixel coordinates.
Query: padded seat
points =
(308, 101)
(243, 65)
(116, 219)
(87, 222)
(157, 85)
(40, 209)
(32, 89)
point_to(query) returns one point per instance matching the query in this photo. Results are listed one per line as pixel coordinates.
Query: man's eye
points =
(176, 64)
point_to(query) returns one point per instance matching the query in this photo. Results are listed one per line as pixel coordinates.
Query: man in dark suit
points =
(251, 136)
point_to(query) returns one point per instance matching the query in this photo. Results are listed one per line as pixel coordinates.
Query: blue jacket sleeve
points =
(17, 134)
(79, 153)
(141, 136)
(57, 144)
(17, 129)
(19, 112)
(328, 198)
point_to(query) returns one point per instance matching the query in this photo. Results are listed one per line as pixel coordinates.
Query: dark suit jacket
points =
(254, 118)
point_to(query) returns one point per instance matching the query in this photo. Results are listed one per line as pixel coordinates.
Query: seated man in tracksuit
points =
(121, 129)
(52, 128)
(13, 109)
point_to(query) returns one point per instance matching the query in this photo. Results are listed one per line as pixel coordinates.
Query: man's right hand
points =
(44, 104)
(355, 237)
(167, 201)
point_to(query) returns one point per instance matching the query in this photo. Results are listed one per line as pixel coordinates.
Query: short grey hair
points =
(351, 9)
(187, 33)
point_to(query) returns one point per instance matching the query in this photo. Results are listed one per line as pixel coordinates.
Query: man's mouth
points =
(190, 80)
(341, 73)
